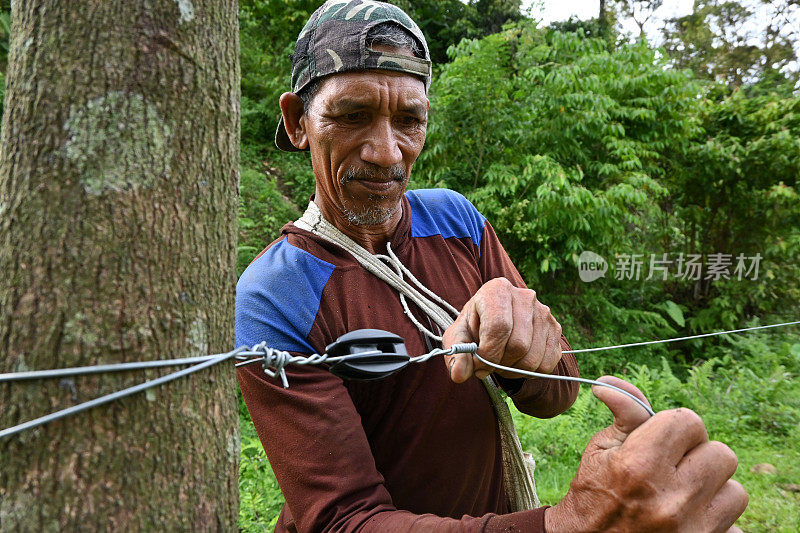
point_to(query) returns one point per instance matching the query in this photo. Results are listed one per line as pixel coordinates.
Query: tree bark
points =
(118, 200)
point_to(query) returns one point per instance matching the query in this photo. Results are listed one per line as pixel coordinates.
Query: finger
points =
(669, 435)
(628, 415)
(460, 366)
(459, 331)
(728, 505)
(552, 353)
(518, 350)
(706, 468)
(495, 320)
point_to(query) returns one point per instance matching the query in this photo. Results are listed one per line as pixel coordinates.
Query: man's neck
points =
(371, 237)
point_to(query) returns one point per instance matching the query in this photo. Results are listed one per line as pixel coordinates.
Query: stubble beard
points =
(373, 213)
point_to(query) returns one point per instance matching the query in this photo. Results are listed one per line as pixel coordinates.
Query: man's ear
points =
(292, 111)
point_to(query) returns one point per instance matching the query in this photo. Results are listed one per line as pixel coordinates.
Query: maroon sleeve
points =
(316, 445)
(542, 398)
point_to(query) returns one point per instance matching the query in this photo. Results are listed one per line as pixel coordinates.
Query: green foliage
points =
(734, 190)
(590, 28)
(267, 32)
(263, 210)
(445, 22)
(737, 42)
(557, 140)
(564, 146)
(5, 36)
(260, 498)
(674, 311)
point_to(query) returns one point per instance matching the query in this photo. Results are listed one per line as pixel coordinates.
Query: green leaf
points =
(795, 351)
(675, 312)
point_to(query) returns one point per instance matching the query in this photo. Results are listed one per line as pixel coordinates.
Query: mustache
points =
(374, 173)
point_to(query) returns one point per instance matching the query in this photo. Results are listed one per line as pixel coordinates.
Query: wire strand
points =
(566, 378)
(118, 367)
(472, 348)
(676, 339)
(117, 395)
(274, 362)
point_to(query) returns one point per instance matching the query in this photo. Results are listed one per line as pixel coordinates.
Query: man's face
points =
(365, 130)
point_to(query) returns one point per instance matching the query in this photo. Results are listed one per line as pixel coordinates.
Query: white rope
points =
(441, 301)
(313, 221)
(410, 315)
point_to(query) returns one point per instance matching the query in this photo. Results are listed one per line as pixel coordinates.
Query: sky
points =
(553, 10)
(556, 10)
(584, 9)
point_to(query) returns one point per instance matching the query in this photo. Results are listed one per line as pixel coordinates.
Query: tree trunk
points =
(602, 20)
(118, 200)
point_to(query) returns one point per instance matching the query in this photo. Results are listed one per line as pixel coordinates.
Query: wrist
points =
(553, 520)
(562, 518)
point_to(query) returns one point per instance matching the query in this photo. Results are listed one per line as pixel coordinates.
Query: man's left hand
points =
(512, 328)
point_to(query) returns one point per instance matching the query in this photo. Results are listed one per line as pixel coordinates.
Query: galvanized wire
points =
(676, 339)
(275, 361)
(472, 348)
(117, 395)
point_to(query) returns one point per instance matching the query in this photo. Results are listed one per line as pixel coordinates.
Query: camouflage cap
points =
(334, 40)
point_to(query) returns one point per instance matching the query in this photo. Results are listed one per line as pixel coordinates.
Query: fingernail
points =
(450, 368)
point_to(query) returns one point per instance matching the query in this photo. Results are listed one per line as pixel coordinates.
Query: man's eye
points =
(409, 120)
(354, 116)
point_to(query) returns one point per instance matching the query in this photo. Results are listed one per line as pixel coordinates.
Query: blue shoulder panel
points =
(446, 213)
(278, 297)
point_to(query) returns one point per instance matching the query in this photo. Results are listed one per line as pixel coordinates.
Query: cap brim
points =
(282, 140)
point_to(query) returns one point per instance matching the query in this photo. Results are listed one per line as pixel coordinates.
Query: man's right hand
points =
(647, 473)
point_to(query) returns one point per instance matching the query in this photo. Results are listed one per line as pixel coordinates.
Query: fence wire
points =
(275, 361)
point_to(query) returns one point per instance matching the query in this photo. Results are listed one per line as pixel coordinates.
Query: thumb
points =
(461, 366)
(628, 415)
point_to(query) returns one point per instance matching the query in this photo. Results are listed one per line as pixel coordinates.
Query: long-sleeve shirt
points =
(413, 451)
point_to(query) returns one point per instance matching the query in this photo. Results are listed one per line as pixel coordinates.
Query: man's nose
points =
(382, 147)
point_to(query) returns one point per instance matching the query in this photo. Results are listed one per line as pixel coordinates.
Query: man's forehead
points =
(367, 87)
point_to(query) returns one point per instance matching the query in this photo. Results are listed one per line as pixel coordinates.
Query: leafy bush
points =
(568, 146)
(260, 498)
(263, 210)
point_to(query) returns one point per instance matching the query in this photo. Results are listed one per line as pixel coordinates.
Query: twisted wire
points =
(274, 361)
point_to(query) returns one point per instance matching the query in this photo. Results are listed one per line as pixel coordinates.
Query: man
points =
(420, 450)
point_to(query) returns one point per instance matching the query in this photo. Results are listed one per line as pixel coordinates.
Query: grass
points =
(748, 394)
(260, 498)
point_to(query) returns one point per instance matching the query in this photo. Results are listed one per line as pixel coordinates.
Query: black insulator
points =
(370, 354)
